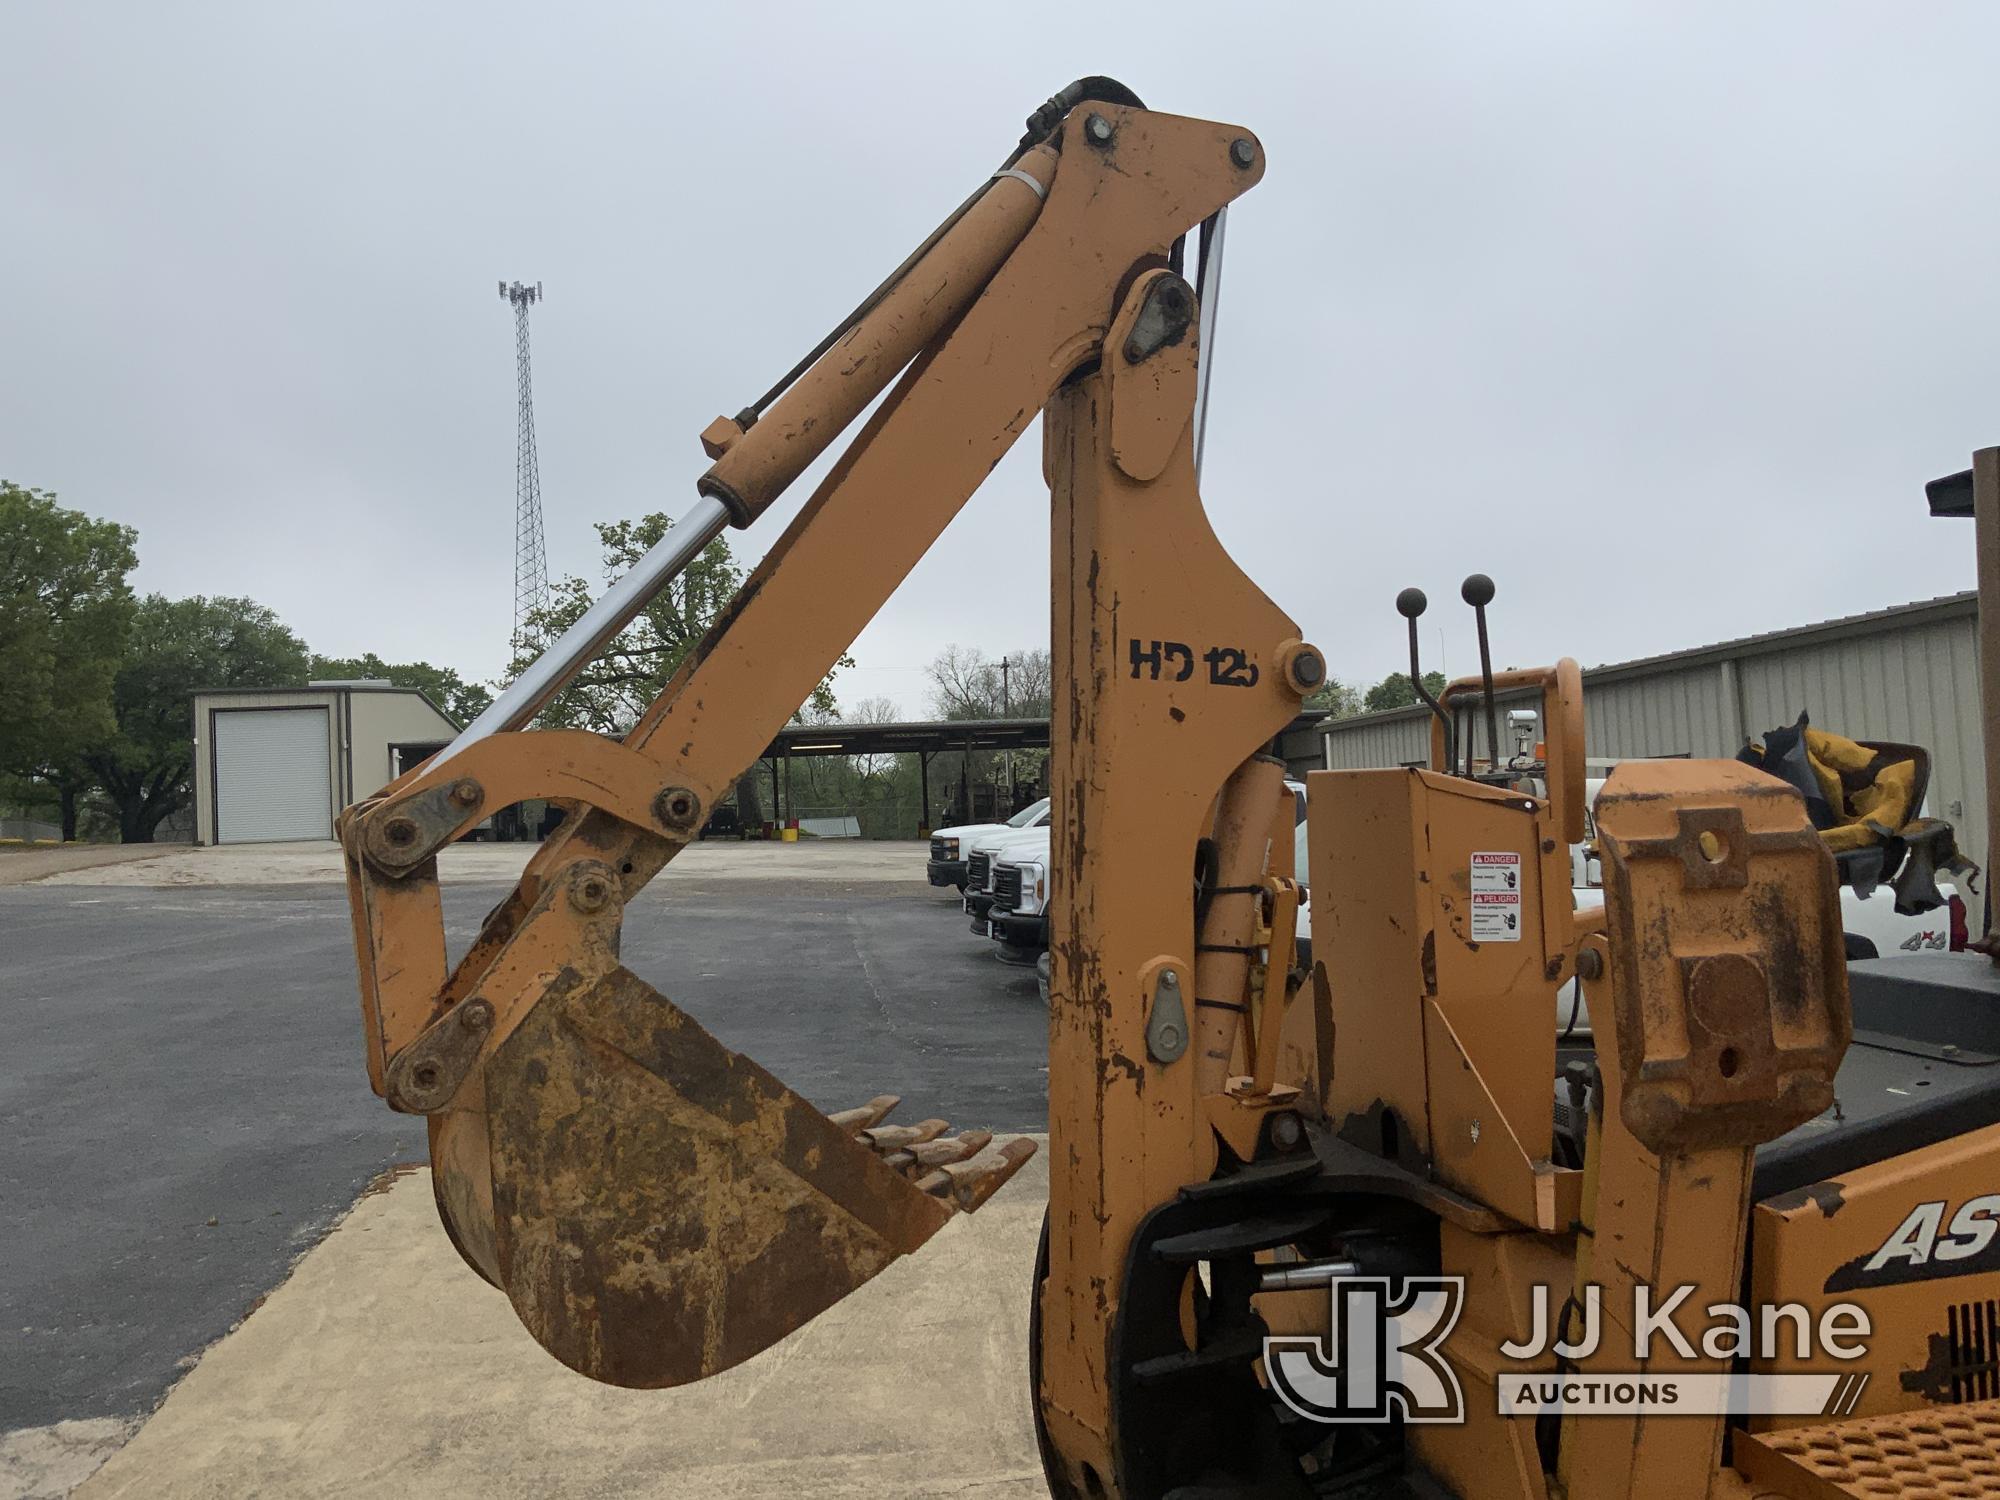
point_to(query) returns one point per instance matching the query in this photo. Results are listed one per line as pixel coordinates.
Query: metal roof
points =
(928, 736)
(357, 685)
(932, 736)
(1871, 622)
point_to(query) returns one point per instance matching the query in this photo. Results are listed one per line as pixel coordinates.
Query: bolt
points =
(1170, 1037)
(1174, 300)
(1243, 151)
(465, 793)
(1170, 980)
(1099, 130)
(1286, 1132)
(402, 832)
(1307, 668)
(476, 1016)
(1950, 1049)
(1590, 964)
(1474, 1132)
(677, 808)
(589, 894)
(425, 1075)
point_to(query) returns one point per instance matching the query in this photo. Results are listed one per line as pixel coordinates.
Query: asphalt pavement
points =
(184, 1111)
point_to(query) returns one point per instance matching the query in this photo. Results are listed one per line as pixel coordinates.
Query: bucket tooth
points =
(971, 1183)
(898, 1137)
(926, 1156)
(951, 1148)
(874, 1112)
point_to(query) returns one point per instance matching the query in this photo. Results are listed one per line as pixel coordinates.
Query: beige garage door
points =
(271, 775)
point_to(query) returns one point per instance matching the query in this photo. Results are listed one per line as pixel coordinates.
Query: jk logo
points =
(1383, 1356)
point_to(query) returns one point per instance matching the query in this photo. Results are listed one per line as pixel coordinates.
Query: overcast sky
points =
(1661, 315)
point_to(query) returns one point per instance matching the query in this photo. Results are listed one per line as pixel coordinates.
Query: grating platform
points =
(1939, 1453)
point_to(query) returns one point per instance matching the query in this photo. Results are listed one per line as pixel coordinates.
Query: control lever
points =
(1411, 604)
(1478, 592)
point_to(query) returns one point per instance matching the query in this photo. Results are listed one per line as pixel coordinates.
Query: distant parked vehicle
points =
(983, 864)
(951, 846)
(1018, 920)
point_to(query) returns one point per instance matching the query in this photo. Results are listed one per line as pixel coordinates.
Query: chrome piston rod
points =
(1306, 1273)
(1209, 298)
(524, 697)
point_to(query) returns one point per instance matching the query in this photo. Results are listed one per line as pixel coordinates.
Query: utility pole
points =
(1004, 665)
(531, 558)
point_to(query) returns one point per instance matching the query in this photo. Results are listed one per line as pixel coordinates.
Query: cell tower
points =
(531, 558)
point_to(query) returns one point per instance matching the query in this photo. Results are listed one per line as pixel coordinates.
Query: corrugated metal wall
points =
(1909, 675)
(1377, 741)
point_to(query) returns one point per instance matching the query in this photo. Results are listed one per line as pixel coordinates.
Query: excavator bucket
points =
(659, 1208)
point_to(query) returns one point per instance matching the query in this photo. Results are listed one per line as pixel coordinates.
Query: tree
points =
(873, 711)
(967, 684)
(463, 700)
(612, 692)
(1395, 691)
(65, 608)
(177, 647)
(1334, 698)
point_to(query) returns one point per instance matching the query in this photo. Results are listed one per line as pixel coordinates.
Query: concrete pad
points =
(318, 862)
(47, 1463)
(385, 1367)
(21, 863)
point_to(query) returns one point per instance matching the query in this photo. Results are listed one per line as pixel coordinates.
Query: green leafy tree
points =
(610, 693)
(1395, 691)
(178, 647)
(463, 700)
(65, 608)
(1334, 698)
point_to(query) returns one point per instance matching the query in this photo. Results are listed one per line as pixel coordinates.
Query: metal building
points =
(273, 764)
(1909, 674)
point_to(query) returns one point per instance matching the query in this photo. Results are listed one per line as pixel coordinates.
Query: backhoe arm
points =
(657, 1207)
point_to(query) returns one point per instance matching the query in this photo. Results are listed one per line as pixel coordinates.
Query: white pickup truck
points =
(992, 855)
(950, 847)
(1017, 918)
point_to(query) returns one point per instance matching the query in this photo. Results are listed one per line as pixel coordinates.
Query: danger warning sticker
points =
(1496, 896)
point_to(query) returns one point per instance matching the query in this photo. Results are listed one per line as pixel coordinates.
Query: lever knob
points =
(1477, 591)
(1411, 603)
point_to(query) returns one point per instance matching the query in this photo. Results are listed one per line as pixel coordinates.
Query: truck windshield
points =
(1028, 814)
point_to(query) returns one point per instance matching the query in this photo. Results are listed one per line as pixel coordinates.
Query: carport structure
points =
(1298, 745)
(923, 740)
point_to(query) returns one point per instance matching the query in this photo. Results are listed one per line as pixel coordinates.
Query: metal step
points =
(1940, 1451)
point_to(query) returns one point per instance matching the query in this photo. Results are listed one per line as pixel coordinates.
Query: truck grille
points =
(1007, 887)
(938, 850)
(976, 869)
